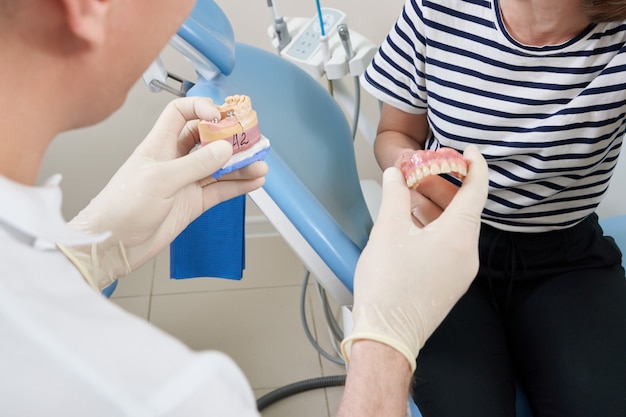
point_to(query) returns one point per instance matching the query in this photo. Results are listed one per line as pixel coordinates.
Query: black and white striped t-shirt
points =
(549, 120)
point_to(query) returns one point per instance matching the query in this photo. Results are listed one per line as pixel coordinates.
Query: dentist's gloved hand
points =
(407, 278)
(158, 191)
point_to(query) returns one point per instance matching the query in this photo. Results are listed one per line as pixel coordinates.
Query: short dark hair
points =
(605, 10)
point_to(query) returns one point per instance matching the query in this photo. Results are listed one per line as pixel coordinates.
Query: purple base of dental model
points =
(257, 156)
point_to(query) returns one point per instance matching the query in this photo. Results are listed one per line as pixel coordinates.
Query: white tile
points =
(259, 328)
(139, 306)
(256, 321)
(333, 398)
(137, 283)
(270, 262)
(316, 402)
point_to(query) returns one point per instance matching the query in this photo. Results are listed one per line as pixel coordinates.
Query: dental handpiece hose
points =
(280, 27)
(344, 35)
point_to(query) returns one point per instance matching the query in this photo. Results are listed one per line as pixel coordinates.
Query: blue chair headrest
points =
(208, 30)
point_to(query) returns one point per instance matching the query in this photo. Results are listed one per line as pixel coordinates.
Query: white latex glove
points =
(158, 191)
(407, 278)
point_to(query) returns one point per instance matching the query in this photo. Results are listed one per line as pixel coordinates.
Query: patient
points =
(539, 87)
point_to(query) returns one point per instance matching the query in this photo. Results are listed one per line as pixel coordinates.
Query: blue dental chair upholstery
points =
(312, 193)
(312, 175)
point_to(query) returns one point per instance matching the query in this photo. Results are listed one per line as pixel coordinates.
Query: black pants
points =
(547, 310)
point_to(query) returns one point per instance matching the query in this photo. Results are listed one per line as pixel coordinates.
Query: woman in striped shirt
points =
(540, 87)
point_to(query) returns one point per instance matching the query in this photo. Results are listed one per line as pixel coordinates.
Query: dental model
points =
(419, 164)
(239, 125)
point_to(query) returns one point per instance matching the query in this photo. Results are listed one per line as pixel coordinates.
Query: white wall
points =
(88, 157)
(614, 204)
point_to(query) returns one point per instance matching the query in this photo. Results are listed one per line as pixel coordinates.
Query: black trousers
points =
(547, 310)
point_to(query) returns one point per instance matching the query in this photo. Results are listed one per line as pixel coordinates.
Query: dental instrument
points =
(281, 31)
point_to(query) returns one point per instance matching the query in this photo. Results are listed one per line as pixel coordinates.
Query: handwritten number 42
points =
(240, 140)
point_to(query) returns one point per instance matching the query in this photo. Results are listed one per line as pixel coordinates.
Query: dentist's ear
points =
(87, 19)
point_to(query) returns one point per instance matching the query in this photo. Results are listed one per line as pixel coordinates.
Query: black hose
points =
(298, 387)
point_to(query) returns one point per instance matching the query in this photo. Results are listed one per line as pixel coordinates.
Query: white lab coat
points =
(66, 350)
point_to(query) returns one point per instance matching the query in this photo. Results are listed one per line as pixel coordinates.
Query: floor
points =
(255, 320)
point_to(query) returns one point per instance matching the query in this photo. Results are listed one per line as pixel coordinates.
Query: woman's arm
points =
(398, 132)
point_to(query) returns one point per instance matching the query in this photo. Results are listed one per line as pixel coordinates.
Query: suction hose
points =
(298, 387)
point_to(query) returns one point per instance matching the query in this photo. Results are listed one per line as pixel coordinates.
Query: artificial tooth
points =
(414, 179)
(463, 170)
(445, 167)
(435, 169)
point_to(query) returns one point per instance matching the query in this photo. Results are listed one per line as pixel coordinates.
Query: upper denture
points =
(419, 164)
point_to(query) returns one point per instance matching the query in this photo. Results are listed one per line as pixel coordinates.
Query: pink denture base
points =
(417, 165)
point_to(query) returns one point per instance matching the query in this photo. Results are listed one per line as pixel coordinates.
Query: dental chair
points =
(312, 193)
